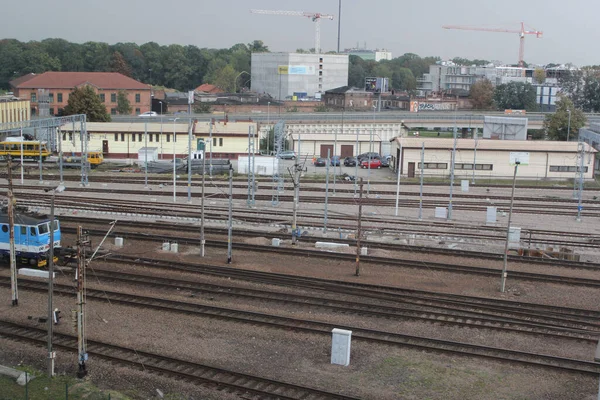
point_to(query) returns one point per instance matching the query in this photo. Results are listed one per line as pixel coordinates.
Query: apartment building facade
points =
(50, 91)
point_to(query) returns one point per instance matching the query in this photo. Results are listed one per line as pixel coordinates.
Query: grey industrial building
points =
(283, 75)
(591, 136)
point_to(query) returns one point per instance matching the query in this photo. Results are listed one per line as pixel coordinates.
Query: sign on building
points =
(377, 85)
(521, 157)
(296, 70)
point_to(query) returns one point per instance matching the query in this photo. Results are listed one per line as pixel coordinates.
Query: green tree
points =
(321, 108)
(516, 96)
(539, 75)
(202, 107)
(556, 125)
(224, 78)
(118, 64)
(84, 100)
(123, 105)
(258, 46)
(482, 95)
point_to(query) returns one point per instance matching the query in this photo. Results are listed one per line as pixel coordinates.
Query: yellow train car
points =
(30, 149)
(95, 158)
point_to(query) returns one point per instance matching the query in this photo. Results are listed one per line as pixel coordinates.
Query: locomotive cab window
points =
(56, 226)
(23, 230)
(43, 228)
(32, 231)
(4, 228)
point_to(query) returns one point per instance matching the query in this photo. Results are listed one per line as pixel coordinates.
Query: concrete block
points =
(330, 245)
(364, 251)
(35, 273)
(441, 212)
(10, 372)
(340, 346)
(119, 241)
(275, 242)
(24, 378)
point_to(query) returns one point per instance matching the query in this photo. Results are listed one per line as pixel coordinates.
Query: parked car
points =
(320, 162)
(149, 114)
(385, 162)
(371, 155)
(287, 155)
(335, 161)
(350, 161)
(371, 164)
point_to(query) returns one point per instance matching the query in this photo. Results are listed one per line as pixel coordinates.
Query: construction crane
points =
(315, 17)
(522, 32)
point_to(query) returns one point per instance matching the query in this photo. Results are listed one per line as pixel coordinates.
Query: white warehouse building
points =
(547, 159)
(306, 75)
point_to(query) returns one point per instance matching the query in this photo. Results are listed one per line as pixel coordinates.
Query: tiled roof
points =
(490, 144)
(70, 80)
(22, 79)
(208, 88)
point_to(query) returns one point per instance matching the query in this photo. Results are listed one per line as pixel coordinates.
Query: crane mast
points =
(521, 32)
(315, 17)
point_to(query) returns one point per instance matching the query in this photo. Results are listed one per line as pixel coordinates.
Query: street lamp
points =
(160, 107)
(569, 125)
(269, 127)
(512, 198)
(51, 355)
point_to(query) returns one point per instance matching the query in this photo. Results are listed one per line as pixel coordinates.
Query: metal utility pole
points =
(339, 23)
(569, 125)
(398, 182)
(83, 242)
(339, 159)
(11, 227)
(505, 256)
(174, 164)
(326, 192)
(190, 158)
(146, 155)
(452, 170)
(358, 230)
(421, 184)
(251, 168)
(296, 181)
(202, 239)
(581, 170)
(51, 354)
(474, 156)
(22, 167)
(356, 165)
(210, 141)
(230, 221)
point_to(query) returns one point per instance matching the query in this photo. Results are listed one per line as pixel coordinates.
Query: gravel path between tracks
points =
(375, 372)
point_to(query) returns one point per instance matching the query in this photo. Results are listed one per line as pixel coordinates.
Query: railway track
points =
(217, 378)
(589, 210)
(322, 328)
(390, 262)
(361, 308)
(180, 228)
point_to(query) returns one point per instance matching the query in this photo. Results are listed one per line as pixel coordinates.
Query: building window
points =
(320, 73)
(566, 168)
(157, 138)
(138, 97)
(51, 98)
(102, 97)
(61, 111)
(214, 142)
(122, 137)
(59, 97)
(484, 167)
(137, 111)
(116, 137)
(33, 97)
(133, 137)
(113, 111)
(51, 111)
(113, 97)
(139, 136)
(71, 136)
(434, 166)
(64, 136)
(150, 137)
(168, 137)
(221, 142)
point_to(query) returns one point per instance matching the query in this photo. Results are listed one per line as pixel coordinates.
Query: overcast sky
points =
(571, 32)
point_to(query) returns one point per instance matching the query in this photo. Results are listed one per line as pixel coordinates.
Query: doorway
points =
(347, 150)
(105, 147)
(324, 148)
(411, 169)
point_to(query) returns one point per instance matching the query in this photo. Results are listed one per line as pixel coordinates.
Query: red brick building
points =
(60, 84)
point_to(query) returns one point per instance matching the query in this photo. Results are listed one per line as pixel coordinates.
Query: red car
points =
(373, 163)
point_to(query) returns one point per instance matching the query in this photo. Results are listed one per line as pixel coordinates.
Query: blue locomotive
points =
(32, 237)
